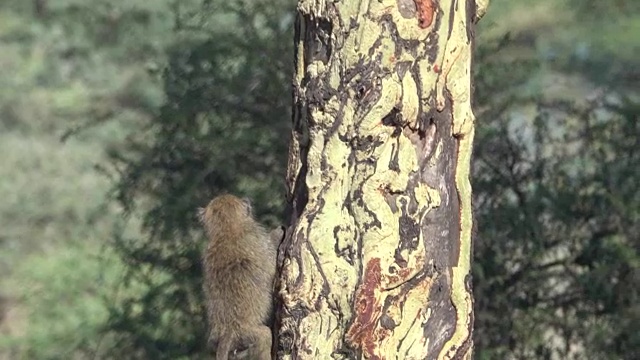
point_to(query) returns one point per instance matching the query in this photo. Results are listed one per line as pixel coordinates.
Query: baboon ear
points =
(200, 213)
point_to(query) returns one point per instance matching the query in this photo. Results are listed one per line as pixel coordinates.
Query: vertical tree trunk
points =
(376, 261)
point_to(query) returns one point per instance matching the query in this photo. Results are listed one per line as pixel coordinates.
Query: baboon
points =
(239, 265)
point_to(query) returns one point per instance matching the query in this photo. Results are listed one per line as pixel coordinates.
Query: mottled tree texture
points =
(376, 261)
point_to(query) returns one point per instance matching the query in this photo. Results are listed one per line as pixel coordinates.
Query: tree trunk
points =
(376, 260)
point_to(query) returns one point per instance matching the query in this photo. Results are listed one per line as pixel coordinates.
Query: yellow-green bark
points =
(376, 261)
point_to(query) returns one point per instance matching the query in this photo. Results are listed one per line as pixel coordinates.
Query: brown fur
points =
(239, 267)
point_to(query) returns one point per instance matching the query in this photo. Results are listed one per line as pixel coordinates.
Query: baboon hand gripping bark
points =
(239, 266)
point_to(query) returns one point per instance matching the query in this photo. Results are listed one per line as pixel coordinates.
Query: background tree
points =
(549, 254)
(218, 131)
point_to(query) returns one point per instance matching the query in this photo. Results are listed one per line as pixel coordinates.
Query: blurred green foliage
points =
(57, 270)
(162, 104)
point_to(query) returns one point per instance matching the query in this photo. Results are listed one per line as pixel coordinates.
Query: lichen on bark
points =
(376, 261)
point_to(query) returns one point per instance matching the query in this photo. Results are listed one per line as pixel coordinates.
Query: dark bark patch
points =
(442, 322)
(409, 236)
(318, 93)
(394, 161)
(442, 225)
(364, 80)
(298, 194)
(318, 31)
(431, 45)
(441, 228)
(348, 253)
(365, 144)
(409, 232)
(402, 68)
(375, 222)
(374, 48)
(386, 322)
(286, 338)
(427, 118)
(390, 199)
(394, 119)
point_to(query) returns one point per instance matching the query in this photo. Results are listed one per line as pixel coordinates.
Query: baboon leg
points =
(224, 346)
(260, 337)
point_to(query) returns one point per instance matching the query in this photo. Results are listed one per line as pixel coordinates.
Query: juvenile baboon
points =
(239, 265)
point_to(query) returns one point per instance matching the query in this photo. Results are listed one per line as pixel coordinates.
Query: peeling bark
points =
(376, 260)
